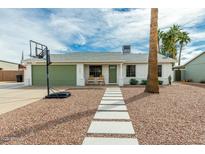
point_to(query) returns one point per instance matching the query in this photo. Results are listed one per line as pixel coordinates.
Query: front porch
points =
(99, 74)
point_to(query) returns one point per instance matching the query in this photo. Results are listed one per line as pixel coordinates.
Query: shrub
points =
(189, 80)
(160, 82)
(133, 81)
(143, 82)
(202, 81)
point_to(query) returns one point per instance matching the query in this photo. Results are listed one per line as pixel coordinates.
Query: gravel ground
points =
(175, 116)
(62, 121)
(202, 85)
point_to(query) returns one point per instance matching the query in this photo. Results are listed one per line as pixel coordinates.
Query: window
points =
(95, 70)
(130, 72)
(159, 70)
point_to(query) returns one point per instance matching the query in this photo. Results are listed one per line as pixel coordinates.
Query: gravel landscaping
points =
(56, 121)
(202, 85)
(175, 116)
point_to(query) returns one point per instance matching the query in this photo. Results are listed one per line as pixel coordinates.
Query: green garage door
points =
(60, 75)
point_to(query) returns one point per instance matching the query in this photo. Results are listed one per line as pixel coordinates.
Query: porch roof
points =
(103, 57)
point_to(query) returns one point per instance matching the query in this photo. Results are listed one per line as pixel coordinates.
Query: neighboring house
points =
(9, 71)
(75, 68)
(5, 65)
(193, 70)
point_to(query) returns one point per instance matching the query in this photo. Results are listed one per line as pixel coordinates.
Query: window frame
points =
(129, 70)
(159, 73)
(93, 70)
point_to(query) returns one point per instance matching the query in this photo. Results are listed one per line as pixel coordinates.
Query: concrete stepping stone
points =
(112, 107)
(112, 88)
(112, 95)
(109, 120)
(119, 92)
(109, 141)
(111, 127)
(112, 98)
(111, 115)
(113, 92)
(112, 102)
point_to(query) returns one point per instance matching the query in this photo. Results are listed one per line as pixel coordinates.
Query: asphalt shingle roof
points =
(104, 57)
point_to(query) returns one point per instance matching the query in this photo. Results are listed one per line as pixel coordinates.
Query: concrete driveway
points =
(11, 85)
(15, 95)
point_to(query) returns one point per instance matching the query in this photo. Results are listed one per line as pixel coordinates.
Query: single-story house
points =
(193, 70)
(75, 68)
(6, 65)
(9, 70)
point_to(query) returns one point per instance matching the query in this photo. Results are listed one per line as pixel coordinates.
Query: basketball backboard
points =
(37, 50)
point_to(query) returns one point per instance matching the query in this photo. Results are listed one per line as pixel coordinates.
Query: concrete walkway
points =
(111, 119)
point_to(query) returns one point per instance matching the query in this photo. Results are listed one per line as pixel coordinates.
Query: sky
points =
(93, 30)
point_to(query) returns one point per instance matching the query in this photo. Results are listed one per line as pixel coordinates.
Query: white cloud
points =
(190, 52)
(17, 28)
(184, 17)
(96, 28)
(125, 28)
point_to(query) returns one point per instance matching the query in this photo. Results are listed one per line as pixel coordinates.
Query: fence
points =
(6, 75)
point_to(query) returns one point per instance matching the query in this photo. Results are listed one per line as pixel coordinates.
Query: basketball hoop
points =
(41, 51)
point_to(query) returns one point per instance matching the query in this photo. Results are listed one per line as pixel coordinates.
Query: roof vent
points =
(126, 49)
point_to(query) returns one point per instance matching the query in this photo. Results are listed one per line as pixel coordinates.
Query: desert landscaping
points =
(175, 116)
(56, 121)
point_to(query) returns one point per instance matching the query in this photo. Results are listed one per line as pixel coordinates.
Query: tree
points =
(183, 40)
(152, 78)
(170, 40)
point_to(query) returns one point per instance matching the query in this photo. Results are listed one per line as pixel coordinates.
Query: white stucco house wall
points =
(75, 68)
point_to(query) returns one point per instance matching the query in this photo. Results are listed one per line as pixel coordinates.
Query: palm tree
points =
(170, 40)
(183, 39)
(152, 78)
(160, 37)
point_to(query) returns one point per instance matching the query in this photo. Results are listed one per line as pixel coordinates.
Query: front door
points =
(112, 73)
(178, 75)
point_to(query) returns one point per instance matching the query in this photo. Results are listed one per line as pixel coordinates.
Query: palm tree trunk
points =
(152, 77)
(180, 52)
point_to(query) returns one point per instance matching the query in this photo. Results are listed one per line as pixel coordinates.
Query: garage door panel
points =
(60, 75)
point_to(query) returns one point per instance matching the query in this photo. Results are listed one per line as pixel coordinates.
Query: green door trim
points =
(113, 74)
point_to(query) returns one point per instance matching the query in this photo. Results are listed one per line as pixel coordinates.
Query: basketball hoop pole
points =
(47, 70)
(40, 52)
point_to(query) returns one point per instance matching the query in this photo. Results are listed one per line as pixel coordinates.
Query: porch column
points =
(80, 75)
(121, 82)
(28, 75)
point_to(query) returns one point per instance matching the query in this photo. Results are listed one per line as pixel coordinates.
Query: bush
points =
(143, 82)
(160, 82)
(133, 82)
(202, 81)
